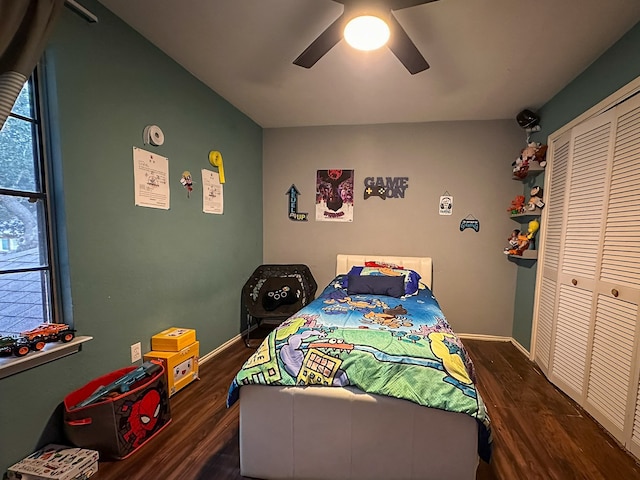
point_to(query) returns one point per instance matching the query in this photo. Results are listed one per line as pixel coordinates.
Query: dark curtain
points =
(24, 28)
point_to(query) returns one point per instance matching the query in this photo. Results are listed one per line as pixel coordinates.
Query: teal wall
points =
(615, 68)
(135, 271)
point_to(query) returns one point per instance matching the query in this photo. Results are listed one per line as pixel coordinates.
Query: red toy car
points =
(50, 332)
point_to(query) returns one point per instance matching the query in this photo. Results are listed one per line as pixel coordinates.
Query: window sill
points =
(52, 351)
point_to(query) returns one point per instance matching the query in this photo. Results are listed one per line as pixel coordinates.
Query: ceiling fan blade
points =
(321, 45)
(400, 4)
(404, 49)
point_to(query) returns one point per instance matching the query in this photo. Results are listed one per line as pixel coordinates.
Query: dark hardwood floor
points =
(539, 433)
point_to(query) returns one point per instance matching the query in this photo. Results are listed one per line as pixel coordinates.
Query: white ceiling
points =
(489, 58)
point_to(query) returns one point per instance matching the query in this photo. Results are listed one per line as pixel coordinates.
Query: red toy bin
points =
(116, 426)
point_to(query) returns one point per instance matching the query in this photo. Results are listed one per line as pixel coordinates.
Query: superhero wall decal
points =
(334, 195)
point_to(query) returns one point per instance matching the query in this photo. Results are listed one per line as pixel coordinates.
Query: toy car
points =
(50, 332)
(19, 346)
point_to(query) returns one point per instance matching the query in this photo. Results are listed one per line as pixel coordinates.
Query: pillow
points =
(280, 296)
(411, 278)
(383, 265)
(376, 285)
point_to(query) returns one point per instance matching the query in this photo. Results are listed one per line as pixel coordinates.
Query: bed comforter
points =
(398, 347)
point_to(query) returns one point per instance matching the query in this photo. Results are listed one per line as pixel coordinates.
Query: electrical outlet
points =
(136, 352)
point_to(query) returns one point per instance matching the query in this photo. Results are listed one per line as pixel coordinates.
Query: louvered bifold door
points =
(615, 348)
(589, 161)
(611, 365)
(553, 221)
(621, 249)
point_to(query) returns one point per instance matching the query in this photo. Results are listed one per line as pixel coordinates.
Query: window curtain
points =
(24, 29)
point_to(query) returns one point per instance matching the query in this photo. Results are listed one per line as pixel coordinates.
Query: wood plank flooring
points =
(539, 433)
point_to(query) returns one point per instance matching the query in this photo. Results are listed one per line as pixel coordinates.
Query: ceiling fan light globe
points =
(366, 32)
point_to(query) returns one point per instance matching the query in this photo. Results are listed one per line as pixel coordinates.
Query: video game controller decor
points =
(388, 187)
(375, 192)
(281, 296)
(470, 222)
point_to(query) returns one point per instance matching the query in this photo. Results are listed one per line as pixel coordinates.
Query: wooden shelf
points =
(534, 170)
(526, 255)
(528, 215)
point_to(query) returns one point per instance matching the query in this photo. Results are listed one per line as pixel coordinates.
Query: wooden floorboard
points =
(539, 433)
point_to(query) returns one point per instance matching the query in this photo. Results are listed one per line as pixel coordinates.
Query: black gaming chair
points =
(275, 292)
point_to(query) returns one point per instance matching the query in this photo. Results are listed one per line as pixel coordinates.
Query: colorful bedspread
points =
(398, 347)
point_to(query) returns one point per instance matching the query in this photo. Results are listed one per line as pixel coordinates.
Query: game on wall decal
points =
(385, 187)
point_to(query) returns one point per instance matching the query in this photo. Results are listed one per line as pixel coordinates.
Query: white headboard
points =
(422, 265)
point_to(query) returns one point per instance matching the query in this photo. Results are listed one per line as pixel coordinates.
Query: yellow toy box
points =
(173, 339)
(181, 368)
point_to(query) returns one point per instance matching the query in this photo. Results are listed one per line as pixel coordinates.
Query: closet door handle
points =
(574, 281)
(615, 292)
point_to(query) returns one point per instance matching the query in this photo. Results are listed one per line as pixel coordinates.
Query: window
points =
(27, 286)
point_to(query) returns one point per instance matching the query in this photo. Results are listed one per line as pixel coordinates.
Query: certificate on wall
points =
(151, 179)
(212, 193)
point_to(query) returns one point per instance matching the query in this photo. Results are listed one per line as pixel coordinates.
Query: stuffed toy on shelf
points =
(513, 241)
(533, 152)
(521, 245)
(517, 205)
(536, 198)
(524, 240)
(534, 226)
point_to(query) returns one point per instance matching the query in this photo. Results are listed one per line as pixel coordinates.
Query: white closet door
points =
(616, 333)
(621, 249)
(590, 260)
(634, 444)
(555, 207)
(553, 222)
(544, 326)
(585, 210)
(589, 160)
(611, 364)
(571, 340)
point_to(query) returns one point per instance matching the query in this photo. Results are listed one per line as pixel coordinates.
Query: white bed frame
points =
(344, 433)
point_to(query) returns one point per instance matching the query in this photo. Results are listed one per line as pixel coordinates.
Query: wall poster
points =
(212, 192)
(334, 195)
(151, 179)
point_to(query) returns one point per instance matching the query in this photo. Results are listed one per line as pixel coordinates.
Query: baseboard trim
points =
(516, 344)
(205, 358)
(488, 338)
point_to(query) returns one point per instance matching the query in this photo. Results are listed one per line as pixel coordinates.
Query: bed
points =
(362, 385)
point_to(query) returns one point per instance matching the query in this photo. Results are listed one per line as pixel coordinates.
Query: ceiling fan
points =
(399, 42)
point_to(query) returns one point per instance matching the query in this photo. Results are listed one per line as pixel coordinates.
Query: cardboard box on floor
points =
(181, 368)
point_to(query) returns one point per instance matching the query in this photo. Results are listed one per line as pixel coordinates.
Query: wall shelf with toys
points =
(531, 161)
(524, 217)
(526, 255)
(533, 171)
(522, 243)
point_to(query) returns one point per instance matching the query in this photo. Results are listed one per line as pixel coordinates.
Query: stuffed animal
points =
(520, 167)
(524, 240)
(513, 241)
(532, 152)
(536, 198)
(523, 244)
(517, 205)
(534, 226)
(540, 155)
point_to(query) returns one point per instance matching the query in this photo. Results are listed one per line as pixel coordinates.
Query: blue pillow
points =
(375, 285)
(411, 278)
